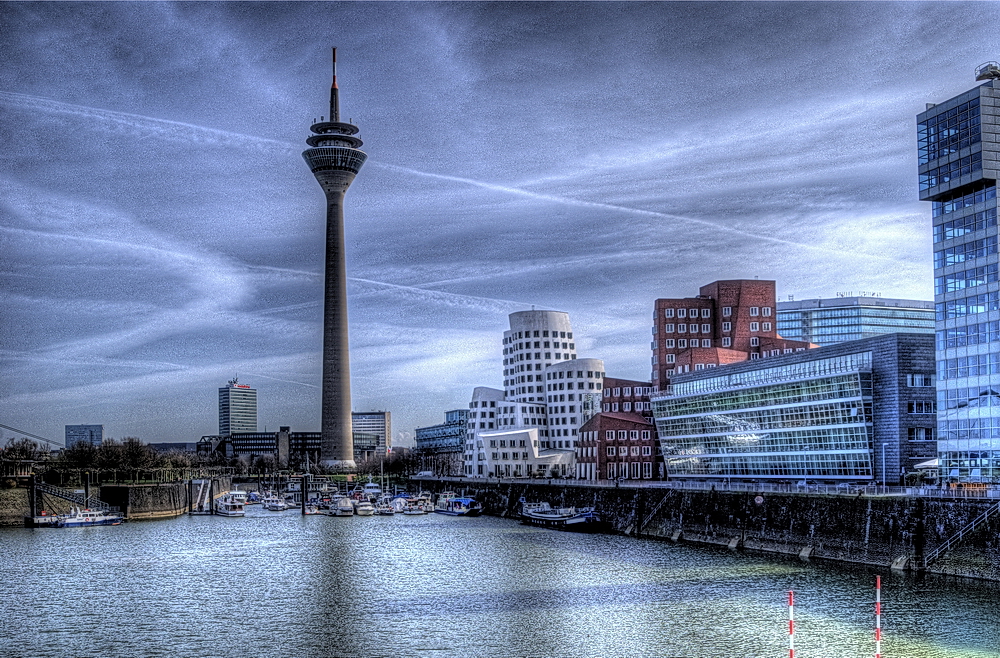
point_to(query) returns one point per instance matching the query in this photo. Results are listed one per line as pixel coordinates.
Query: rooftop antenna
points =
(334, 93)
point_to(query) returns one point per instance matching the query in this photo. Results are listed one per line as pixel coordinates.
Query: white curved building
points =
(531, 427)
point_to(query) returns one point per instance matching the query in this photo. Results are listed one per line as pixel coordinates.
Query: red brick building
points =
(729, 321)
(618, 445)
(621, 440)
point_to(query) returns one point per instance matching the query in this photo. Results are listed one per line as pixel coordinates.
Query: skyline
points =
(161, 234)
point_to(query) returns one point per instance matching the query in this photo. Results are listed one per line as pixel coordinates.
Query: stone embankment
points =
(135, 501)
(872, 530)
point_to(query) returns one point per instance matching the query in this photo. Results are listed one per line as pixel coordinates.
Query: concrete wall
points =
(867, 530)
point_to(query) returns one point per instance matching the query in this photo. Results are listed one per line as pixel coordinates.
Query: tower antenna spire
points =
(334, 93)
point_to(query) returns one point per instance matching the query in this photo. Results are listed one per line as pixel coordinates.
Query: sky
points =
(161, 234)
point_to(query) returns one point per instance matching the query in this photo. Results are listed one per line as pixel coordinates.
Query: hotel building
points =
(237, 408)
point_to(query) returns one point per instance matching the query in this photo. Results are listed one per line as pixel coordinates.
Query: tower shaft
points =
(334, 159)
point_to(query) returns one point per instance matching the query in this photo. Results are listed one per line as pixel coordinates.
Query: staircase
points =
(202, 503)
(955, 539)
(93, 502)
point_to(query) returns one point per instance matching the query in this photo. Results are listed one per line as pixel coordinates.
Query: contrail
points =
(186, 132)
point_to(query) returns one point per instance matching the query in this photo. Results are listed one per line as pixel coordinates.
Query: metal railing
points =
(958, 536)
(72, 496)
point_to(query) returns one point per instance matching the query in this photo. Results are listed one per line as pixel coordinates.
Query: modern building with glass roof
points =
(860, 411)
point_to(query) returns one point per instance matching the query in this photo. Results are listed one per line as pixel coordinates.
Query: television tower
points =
(335, 159)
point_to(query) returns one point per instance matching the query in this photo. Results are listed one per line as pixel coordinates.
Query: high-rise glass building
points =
(958, 148)
(377, 423)
(839, 319)
(237, 408)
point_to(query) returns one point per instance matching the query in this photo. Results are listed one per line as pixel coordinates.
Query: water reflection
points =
(280, 583)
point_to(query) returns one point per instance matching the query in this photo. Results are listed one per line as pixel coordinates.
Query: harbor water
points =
(282, 584)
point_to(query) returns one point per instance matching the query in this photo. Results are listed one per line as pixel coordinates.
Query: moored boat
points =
(229, 505)
(455, 505)
(78, 518)
(364, 508)
(343, 507)
(580, 519)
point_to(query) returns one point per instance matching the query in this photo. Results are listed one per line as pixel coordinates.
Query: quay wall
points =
(135, 501)
(873, 530)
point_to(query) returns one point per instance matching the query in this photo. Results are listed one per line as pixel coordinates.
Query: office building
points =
(92, 434)
(440, 446)
(620, 442)
(334, 157)
(860, 411)
(237, 408)
(839, 319)
(377, 423)
(958, 155)
(728, 322)
(548, 394)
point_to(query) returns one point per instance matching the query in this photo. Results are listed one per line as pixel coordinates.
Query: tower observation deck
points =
(334, 157)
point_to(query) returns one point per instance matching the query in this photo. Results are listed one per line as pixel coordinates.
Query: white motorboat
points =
(364, 508)
(229, 505)
(78, 518)
(343, 507)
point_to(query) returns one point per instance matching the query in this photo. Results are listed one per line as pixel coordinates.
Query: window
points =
(754, 355)
(634, 435)
(706, 342)
(682, 328)
(647, 470)
(920, 433)
(609, 435)
(754, 326)
(766, 311)
(727, 326)
(668, 343)
(668, 312)
(623, 451)
(682, 343)
(635, 451)
(914, 380)
(699, 366)
(766, 326)
(622, 435)
(727, 311)
(668, 328)
(921, 407)
(645, 435)
(706, 312)
(693, 313)
(727, 342)
(627, 406)
(754, 311)
(706, 328)
(611, 451)
(647, 451)
(754, 341)
(682, 312)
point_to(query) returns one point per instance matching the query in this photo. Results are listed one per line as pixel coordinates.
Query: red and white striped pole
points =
(878, 616)
(791, 624)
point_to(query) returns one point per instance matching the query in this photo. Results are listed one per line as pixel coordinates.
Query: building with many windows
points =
(836, 320)
(958, 155)
(860, 411)
(92, 434)
(237, 408)
(620, 442)
(728, 322)
(378, 423)
(548, 394)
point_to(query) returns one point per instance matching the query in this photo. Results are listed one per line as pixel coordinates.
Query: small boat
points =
(580, 519)
(343, 507)
(78, 518)
(311, 509)
(455, 505)
(364, 508)
(229, 505)
(385, 509)
(414, 509)
(274, 504)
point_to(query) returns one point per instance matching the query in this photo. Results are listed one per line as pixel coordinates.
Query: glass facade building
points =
(957, 148)
(829, 321)
(449, 436)
(92, 434)
(814, 414)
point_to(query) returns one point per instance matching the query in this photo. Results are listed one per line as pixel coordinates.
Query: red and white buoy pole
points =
(791, 624)
(878, 616)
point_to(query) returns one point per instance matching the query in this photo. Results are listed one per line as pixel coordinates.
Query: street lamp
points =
(883, 468)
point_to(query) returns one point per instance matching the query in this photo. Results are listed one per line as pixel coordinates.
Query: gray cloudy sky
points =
(159, 231)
